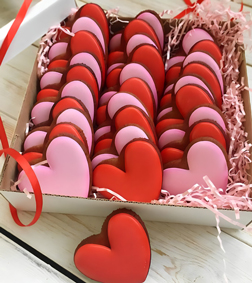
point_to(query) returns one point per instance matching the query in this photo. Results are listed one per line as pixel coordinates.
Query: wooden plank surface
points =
(18, 265)
(180, 253)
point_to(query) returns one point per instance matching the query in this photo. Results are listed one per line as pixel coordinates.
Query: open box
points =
(102, 207)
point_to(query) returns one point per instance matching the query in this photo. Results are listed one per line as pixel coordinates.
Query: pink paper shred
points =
(229, 36)
(47, 41)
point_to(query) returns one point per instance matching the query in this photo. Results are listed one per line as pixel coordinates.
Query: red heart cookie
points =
(190, 96)
(120, 253)
(137, 174)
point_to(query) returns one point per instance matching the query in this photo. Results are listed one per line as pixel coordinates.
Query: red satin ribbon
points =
(14, 28)
(190, 9)
(30, 174)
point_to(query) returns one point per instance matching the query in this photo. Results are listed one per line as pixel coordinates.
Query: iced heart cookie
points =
(139, 39)
(92, 62)
(208, 75)
(190, 96)
(209, 47)
(83, 73)
(134, 115)
(136, 175)
(121, 99)
(138, 26)
(57, 49)
(80, 119)
(59, 63)
(174, 60)
(153, 19)
(96, 13)
(69, 170)
(46, 93)
(123, 245)
(82, 92)
(142, 91)
(137, 70)
(193, 36)
(146, 55)
(51, 79)
(84, 41)
(201, 158)
(88, 24)
(205, 58)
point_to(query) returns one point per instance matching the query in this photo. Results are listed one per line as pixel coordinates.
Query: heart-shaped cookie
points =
(122, 246)
(69, 171)
(136, 175)
(201, 158)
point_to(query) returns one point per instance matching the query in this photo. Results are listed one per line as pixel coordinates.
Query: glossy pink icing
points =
(57, 49)
(206, 113)
(115, 42)
(168, 88)
(153, 21)
(127, 134)
(136, 40)
(81, 91)
(112, 67)
(101, 131)
(50, 78)
(193, 36)
(121, 99)
(88, 24)
(204, 159)
(171, 135)
(174, 60)
(89, 60)
(41, 111)
(101, 157)
(208, 60)
(138, 71)
(76, 117)
(163, 112)
(186, 80)
(68, 173)
(34, 139)
(106, 96)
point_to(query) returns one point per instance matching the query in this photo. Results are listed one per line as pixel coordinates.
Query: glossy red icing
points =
(121, 253)
(140, 179)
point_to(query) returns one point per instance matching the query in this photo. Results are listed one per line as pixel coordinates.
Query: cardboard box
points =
(102, 207)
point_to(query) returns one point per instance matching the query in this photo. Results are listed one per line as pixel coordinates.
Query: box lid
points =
(36, 23)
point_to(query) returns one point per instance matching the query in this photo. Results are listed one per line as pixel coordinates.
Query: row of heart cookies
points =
(125, 138)
(66, 107)
(190, 120)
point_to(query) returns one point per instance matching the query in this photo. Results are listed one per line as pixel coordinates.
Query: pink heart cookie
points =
(137, 40)
(88, 24)
(69, 171)
(201, 158)
(81, 91)
(59, 48)
(193, 36)
(198, 57)
(92, 62)
(153, 19)
(80, 119)
(139, 71)
(121, 99)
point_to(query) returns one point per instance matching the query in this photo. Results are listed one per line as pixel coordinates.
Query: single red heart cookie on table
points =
(120, 253)
(136, 175)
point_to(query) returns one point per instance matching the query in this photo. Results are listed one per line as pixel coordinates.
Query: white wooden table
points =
(180, 253)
